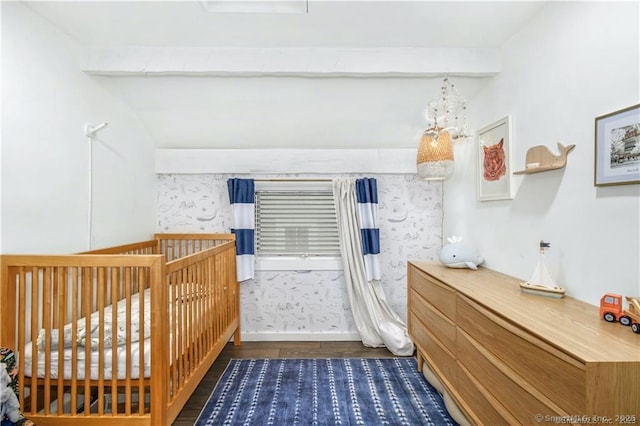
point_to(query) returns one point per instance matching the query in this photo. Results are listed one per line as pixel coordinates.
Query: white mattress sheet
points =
(121, 349)
(92, 338)
(121, 362)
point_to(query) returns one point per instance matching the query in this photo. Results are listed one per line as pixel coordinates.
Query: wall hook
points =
(90, 131)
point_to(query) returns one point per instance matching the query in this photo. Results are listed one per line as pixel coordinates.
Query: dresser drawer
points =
(485, 410)
(439, 325)
(502, 383)
(440, 360)
(435, 292)
(553, 373)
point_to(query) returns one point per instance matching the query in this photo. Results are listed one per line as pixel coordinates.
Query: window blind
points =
(296, 223)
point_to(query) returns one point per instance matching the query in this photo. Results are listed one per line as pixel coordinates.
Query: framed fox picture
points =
(494, 161)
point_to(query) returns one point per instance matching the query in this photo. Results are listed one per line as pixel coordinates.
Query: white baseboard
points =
(299, 337)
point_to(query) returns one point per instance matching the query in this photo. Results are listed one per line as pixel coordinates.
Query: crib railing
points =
(177, 246)
(68, 377)
(203, 300)
(58, 294)
(173, 246)
(142, 247)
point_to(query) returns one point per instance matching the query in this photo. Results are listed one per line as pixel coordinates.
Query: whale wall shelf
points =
(541, 159)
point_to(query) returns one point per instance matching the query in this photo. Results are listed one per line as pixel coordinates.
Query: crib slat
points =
(101, 305)
(141, 388)
(75, 286)
(59, 311)
(196, 285)
(88, 289)
(22, 324)
(35, 291)
(128, 315)
(115, 291)
(176, 326)
(190, 328)
(46, 312)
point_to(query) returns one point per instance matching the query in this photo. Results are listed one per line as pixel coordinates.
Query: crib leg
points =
(236, 337)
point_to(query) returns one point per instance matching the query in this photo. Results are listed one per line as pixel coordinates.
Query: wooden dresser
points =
(504, 357)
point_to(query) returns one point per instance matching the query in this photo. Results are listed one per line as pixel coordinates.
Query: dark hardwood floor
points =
(260, 350)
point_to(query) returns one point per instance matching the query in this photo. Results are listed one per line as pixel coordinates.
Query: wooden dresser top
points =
(568, 324)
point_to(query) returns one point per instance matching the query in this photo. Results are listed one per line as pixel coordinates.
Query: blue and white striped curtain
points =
(242, 198)
(367, 197)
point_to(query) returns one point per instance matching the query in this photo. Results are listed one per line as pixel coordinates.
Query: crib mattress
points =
(122, 355)
(92, 339)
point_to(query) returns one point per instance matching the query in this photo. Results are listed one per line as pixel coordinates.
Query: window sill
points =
(298, 263)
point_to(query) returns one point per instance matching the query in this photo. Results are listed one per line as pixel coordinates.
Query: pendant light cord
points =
(442, 211)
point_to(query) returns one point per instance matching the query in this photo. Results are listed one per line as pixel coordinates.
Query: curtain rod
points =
(292, 180)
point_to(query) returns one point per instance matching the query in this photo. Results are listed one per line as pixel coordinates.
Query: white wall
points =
(46, 102)
(572, 63)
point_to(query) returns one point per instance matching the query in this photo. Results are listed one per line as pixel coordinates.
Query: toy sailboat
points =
(541, 282)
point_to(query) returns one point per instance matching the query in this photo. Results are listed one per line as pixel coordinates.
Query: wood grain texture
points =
(524, 354)
(193, 310)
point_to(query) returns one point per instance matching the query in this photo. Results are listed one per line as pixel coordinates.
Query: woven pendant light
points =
(435, 155)
(447, 123)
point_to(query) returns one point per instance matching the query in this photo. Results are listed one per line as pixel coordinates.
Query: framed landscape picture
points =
(617, 147)
(494, 161)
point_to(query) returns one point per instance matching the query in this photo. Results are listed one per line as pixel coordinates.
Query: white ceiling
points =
(189, 111)
(327, 23)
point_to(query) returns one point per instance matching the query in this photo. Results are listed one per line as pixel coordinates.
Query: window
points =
(610, 300)
(296, 219)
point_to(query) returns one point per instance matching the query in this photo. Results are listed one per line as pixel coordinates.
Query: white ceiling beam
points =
(317, 62)
(270, 161)
(271, 6)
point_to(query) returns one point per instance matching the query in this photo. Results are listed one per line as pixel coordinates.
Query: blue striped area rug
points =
(350, 391)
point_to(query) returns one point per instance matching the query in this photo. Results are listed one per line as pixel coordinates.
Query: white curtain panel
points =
(377, 324)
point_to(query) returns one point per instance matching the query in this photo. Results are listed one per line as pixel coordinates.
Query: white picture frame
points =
(494, 161)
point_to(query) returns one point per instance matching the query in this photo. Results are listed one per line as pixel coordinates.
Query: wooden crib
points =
(118, 335)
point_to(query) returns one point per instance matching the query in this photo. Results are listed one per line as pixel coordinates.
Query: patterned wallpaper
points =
(310, 302)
